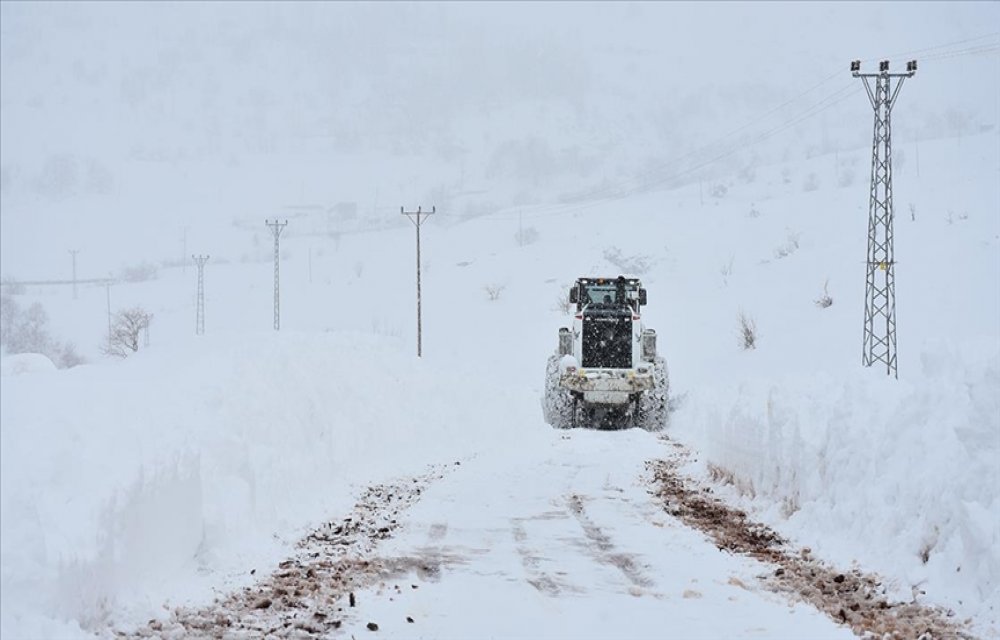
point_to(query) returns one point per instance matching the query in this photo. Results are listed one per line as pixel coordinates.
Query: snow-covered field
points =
(130, 484)
(131, 487)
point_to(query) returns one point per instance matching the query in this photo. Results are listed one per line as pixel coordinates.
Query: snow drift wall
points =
(122, 483)
(901, 476)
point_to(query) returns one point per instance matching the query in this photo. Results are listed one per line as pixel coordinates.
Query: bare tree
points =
(748, 332)
(125, 331)
(562, 303)
(26, 331)
(494, 291)
(9, 312)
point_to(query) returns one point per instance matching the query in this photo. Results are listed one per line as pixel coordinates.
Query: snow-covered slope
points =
(123, 483)
(126, 484)
(164, 478)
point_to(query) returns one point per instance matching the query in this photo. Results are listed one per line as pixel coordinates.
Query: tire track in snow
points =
(604, 549)
(312, 593)
(853, 598)
(543, 581)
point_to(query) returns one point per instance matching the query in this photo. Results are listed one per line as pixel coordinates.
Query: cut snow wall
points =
(901, 476)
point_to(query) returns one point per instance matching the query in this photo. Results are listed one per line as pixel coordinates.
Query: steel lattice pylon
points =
(880, 268)
(199, 319)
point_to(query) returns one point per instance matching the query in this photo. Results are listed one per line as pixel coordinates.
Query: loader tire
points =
(558, 406)
(654, 405)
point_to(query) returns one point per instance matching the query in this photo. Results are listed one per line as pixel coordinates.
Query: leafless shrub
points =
(789, 247)
(493, 291)
(65, 356)
(747, 332)
(12, 287)
(913, 212)
(727, 270)
(27, 332)
(637, 264)
(125, 331)
(59, 177)
(562, 303)
(526, 236)
(718, 191)
(825, 300)
(9, 311)
(139, 272)
(359, 268)
(754, 213)
(846, 177)
(811, 183)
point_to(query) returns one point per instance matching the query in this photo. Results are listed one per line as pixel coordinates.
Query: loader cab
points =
(607, 294)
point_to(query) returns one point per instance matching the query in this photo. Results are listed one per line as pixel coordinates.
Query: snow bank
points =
(900, 476)
(133, 482)
(21, 363)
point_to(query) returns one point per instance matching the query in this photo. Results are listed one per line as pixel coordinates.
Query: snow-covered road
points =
(566, 540)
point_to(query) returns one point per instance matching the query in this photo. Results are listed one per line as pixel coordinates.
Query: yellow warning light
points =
(883, 265)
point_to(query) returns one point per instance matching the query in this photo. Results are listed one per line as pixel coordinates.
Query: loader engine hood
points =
(607, 338)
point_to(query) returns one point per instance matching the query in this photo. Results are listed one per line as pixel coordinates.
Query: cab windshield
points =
(601, 294)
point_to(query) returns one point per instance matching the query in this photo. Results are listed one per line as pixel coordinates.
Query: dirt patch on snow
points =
(311, 593)
(852, 598)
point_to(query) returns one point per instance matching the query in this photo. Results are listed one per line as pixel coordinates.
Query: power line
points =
(612, 193)
(967, 52)
(925, 50)
(752, 121)
(624, 191)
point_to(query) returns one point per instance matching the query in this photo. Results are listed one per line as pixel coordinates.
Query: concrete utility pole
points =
(73, 253)
(199, 318)
(276, 229)
(415, 218)
(880, 283)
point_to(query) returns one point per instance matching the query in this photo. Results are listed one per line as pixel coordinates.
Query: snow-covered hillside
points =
(131, 487)
(126, 484)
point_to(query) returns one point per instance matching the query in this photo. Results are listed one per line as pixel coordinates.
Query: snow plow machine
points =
(606, 373)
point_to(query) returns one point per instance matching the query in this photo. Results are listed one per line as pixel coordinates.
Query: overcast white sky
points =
(525, 95)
